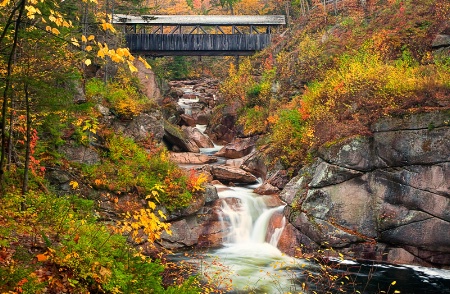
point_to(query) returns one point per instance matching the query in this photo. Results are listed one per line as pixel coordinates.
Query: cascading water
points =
(251, 263)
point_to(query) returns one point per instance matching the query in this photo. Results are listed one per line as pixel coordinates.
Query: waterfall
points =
(248, 218)
(260, 228)
(277, 233)
(251, 263)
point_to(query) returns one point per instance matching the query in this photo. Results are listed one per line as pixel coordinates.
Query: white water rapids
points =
(250, 262)
(247, 262)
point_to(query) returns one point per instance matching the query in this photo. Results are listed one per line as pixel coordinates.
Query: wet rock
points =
(176, 93)
(272, 200)
(266, 189)
(234, 162)
(254, 163)
(176, 137)
(238, 149)
(191, 158)
(212, 235)
(221, 127)
(211, 194)
(279, 178)
(201, 140)
(228, 174)
(187, 120)
(203, 117)
(293, 243)
(200, 229)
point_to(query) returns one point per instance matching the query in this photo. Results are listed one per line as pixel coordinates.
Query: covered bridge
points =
(196, 35)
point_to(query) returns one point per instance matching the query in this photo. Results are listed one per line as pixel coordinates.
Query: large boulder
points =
(141, 127)
(198, 137)
(230, 174)
(191, 158)
(221, 128)
(187, 120)
(254, 163)
(390, 189)
(147, 78)
(197, 225)
(176, 138)
(237, 149)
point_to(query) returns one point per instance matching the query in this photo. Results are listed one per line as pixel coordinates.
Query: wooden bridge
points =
(198, 35)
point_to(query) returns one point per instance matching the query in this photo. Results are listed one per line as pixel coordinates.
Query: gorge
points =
(361, 196)
(317, 165)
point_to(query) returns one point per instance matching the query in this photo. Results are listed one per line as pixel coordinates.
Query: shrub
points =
(75, 253)
(253, 120)
(128, 167)
(123, 95)
(290, 137)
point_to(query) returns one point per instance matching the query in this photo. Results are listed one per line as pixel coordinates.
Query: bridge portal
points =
(198, 35)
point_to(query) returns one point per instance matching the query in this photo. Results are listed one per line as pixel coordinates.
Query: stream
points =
(250, 262)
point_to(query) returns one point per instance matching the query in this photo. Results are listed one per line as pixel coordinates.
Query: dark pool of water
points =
(371, 278)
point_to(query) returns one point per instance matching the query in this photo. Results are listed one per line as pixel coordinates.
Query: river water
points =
(250, 262)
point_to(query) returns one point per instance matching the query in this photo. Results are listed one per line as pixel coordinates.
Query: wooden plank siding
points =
(196, 44)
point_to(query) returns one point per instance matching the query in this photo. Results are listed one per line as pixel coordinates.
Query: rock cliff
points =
(385, 197)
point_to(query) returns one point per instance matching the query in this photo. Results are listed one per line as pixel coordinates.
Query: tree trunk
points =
(28, 144)
(21, 8)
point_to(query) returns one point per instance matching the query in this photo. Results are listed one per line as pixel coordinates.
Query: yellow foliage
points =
(234, 88)
(251, 7)
(132, 67)
(107, 26)
(32, 11)
(197, 181)
(146, 220)
(55, 31)
(73, 40)
(147, 66)
(74, 185)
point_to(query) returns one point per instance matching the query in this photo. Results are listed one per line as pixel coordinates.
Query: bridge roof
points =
(190, 20)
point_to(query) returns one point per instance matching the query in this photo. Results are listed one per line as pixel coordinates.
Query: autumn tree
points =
(229, 4)
(44, 48)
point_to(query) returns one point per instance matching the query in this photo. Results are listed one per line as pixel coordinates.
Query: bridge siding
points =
(197, 42)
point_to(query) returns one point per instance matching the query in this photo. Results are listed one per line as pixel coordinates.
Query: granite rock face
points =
(385, 197)
(197, 225)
